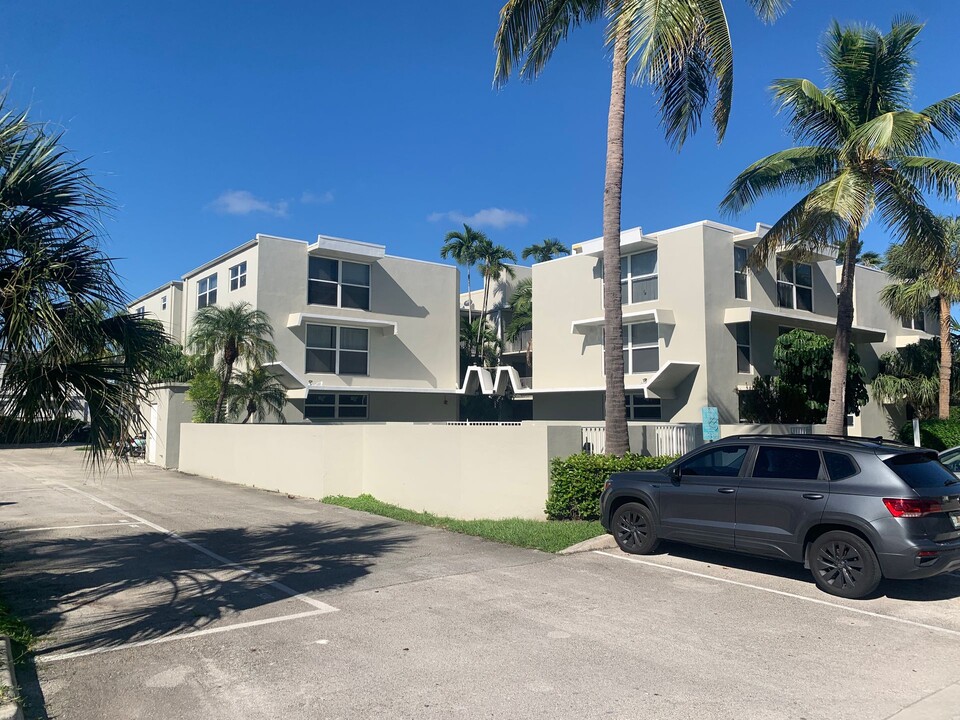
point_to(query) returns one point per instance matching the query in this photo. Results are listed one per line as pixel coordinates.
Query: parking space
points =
(181, 597)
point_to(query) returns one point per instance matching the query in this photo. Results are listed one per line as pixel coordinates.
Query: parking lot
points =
(160, 595)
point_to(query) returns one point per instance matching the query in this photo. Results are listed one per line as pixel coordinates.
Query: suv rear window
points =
(921, 471)
(839, 465)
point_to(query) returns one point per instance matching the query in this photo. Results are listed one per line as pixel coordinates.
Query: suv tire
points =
(844, 564)
(634, 530)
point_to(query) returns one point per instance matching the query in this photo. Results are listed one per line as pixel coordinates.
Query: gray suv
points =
(852, 510)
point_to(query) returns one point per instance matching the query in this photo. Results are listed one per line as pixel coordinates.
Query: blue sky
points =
(211, 121)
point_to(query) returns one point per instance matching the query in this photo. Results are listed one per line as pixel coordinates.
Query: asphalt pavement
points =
(162, 595)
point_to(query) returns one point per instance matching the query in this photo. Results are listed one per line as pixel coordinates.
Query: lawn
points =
(547, 535)
(21, 639)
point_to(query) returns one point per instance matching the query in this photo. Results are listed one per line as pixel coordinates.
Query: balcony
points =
(519, 345)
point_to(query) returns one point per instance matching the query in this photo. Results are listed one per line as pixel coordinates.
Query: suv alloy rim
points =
(840, 565)
(632, 529)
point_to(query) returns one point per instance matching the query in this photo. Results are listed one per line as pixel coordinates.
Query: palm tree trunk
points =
(483, 315)
(617, 440)
(946, 357)
(837, 407)
(469, 299)
(221, 398)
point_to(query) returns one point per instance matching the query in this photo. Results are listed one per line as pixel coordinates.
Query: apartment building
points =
(360, 334)
(699, 325)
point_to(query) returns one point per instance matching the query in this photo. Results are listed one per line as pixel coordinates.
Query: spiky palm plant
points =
(545, 251)
(463, 248)
(683, 51)
(230, 334)
(493, 266)
(259, 394)
(865, 154)
(521, 302)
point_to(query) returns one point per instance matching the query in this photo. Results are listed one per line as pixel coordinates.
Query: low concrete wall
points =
(465, 472)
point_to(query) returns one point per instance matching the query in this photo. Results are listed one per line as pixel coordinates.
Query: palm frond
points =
(815, 115)
(800, 167)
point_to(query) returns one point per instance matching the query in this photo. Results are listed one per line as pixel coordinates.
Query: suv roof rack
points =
(855, 439)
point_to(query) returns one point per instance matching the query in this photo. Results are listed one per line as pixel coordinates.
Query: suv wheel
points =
(633, 529)
(844, 564)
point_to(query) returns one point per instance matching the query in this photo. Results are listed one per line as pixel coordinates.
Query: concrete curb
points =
(9, 708)
(600, 542)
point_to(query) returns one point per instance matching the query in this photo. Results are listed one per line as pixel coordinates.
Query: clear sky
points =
(211, 121)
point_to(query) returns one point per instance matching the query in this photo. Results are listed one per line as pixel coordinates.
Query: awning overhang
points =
(902, 341)
(663, 385)
(803, 320)
(660, 316)
(387, 327)
(344, 249)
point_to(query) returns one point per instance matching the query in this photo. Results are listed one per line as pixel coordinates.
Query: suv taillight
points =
(912, 507)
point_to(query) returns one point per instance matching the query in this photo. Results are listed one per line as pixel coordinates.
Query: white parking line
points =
(783, 593)
(55, 657)
(321, 606)
(125, 523)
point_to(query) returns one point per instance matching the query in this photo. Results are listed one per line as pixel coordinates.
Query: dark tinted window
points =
(721, 462)
(921, 471)
(951, 460)
(787, 463)
(839, 466)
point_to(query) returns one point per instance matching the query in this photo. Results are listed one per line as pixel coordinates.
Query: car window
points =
(839, 466)
(921, 471)
(951, 459)
(787, 463)
(719, 462)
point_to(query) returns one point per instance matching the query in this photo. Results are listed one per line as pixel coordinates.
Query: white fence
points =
(593, 439)
(675, 439)
(465, 423)
(800, 429)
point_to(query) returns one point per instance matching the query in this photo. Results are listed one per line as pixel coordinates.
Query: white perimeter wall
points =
(469, 472)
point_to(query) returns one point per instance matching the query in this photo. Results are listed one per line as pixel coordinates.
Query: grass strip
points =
(547, 535)
(21, 637)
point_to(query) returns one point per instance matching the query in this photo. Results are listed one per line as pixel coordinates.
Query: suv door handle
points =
(813, 496)
(727, 491)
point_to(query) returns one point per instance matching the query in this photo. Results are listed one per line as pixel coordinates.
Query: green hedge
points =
(15, 432)
(935, 433)
(577, 481)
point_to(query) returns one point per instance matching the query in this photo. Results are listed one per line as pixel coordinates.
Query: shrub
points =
(936, 434)
(15, 432)
(577, 481)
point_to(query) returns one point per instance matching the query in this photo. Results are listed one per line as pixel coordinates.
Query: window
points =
(917, 322)
(641, 348)
(638, 277)
(339, 350)
(238, 276)
(794, 285)
(641, 408)
(740, 284)
(742, 332)
(207, 291)
(141, 311)
(787, 463)
(338, 283)
(163, 302)
(921, 471)
(335, 406)
(839, 466)
(723, 461)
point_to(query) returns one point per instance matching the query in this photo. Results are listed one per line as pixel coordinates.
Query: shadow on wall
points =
(389, 298)
(145, 585)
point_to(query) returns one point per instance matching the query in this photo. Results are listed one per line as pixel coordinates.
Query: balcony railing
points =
(520, 344)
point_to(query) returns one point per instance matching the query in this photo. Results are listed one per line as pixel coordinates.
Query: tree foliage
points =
(909, 377)
(545, 251)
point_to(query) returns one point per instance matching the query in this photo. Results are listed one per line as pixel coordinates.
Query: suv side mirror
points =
(675, 472)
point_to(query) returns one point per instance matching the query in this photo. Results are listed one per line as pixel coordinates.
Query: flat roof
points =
(173, 283)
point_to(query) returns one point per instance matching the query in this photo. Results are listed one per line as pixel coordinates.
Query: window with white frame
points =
(338, 283)
(163, 302)
(741, 284)
(207, 291)
(917, 322)
(742, 333)
(794, 285)
(141, 311)
(335, 349)
(641, 348)
(238, 276)
(641, 408)
(638, 277)
(335, 406)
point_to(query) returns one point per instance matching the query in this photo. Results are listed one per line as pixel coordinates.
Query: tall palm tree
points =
(463, 248)
(259, 393)
(521, 302)
(923, 275)
(479, 340)
(865, 154)
(683, 50)
(545, 251)
(493, 266)
(64, 333)
(234, 333)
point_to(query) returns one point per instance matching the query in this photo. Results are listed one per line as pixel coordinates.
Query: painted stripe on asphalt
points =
(817, 601)
(125, 523)
(209, 553)
(55, 657)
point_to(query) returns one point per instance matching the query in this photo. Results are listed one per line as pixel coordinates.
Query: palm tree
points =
(545, 251)
(259, 393)
(463, 248)
(871, 259)
(236, 332)
(864, 156)
(923, 275)
(683, 50)
(64, 333)
(479, 340)
(521, 302)
(493, 265)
